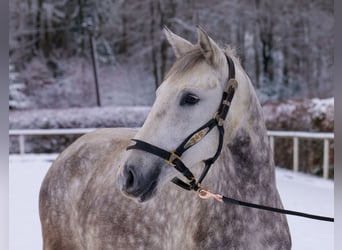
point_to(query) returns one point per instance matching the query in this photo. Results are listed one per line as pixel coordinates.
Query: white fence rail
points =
(21, 133)
(326, 137)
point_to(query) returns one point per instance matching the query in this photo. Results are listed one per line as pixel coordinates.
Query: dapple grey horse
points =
(98, 195)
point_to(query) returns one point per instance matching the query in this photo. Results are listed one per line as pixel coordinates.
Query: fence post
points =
(272, 144)
(21, 144)
(295, 154)
(326, 159)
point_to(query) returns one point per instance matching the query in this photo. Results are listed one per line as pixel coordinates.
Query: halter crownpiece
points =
(174, 158)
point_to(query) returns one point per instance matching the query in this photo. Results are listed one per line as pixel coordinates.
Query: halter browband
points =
(174, 157)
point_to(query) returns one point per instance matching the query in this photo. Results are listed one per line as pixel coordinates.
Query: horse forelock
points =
(189, 60)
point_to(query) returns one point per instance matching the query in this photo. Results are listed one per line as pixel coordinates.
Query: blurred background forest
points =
(285, 46)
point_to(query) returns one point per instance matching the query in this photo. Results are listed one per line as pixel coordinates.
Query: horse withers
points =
(98, 195)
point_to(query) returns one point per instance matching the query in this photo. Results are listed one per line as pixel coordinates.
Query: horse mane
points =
(229, 51)
(193, 57)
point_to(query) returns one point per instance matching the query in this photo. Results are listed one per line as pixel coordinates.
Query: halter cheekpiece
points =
(174, 158)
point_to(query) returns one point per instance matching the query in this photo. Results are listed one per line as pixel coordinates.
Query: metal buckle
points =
(219, 119)
(232, 82)
(173, 156)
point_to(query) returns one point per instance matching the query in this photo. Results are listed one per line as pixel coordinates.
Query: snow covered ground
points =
(298, 191)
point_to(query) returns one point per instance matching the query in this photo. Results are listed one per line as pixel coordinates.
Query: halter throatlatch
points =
(173, 158)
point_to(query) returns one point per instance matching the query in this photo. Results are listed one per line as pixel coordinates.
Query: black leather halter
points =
(174, 157)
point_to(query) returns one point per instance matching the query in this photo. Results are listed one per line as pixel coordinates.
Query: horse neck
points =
(245, 167)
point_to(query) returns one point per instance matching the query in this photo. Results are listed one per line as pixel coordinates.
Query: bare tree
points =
(285, 46)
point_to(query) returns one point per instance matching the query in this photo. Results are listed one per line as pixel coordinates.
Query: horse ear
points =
(209, 48)
(180, 45)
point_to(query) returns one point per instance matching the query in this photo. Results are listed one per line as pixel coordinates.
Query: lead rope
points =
(204, 194)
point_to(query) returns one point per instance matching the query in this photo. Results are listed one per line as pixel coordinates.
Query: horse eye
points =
(189, 99)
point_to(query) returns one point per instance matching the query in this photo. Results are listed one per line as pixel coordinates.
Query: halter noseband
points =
(174, 157)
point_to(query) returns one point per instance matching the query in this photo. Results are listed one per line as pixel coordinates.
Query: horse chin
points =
(149, 193)
(144, 196)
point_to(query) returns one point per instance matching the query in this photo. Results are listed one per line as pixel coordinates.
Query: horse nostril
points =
(136, 183)
(129, 179)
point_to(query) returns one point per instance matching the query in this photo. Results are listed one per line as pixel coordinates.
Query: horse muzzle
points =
(138, 182)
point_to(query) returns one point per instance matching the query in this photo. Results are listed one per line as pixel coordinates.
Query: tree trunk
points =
(267, 59)
(82, 31)
(39, 24)
(153, 48)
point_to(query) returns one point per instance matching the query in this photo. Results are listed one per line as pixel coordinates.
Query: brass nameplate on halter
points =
(196, 137)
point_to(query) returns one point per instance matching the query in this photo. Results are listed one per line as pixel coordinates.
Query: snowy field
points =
(298, 191)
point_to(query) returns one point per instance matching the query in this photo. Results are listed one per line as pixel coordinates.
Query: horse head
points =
(188, 97)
